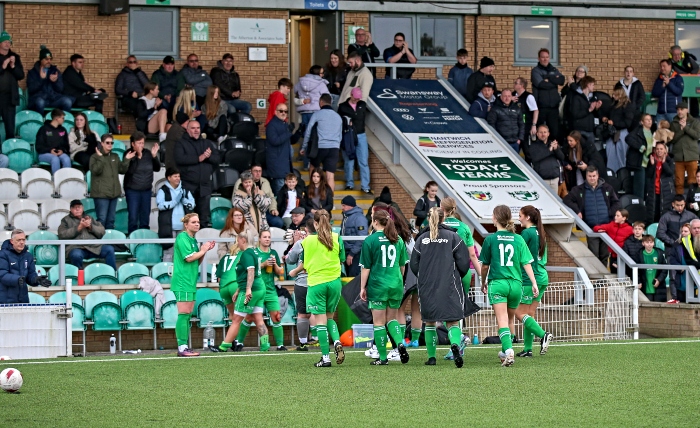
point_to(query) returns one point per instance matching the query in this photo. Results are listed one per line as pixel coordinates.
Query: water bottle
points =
(112, 345)
(208, 336)
(475, 341)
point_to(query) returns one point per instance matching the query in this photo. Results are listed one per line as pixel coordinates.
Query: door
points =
(325, 33)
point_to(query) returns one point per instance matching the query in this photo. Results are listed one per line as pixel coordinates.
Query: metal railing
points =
(393, 67)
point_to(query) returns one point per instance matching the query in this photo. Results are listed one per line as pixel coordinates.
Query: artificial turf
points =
(611, 384)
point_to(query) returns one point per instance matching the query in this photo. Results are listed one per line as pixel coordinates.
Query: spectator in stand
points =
(358, 77)
(619, 230)
(692, 200)
(660, 183)
(309, 89)
(228, 81)
(319, 195)
(172, 137)
(105, 188)
(280, 96)
(45, 85)
(685, 62)
(289, 197)
(582, 105)
(400, 53)
(11, 72)
(166, 78)
(278, 148)
(354, 224)
(671, 221)
(173, 203)
(640, 142)
(581, 155)
(138, 180)
(479, 78)
(234, 226)
(481, 106)
(329, 131)
(385, 198)
(299, 219)
(528, 106)
(596, 203)
(263, 185)
(355, 109)
(215, 111)
(506, 118)
(196, 158)
(130, 83)
(652, 282)
(679, 254)
(17, 270)
(187, 103)
(76, 86)
(429, 200)
(546, 80)
(622, 118)
(460, 72)
(82, 141)
(686, 132)
(151, 115)
(52, 142)
(633, 244)
(547, 158)
(253, 201)
(80, 226)
(193, 75)
(668, 88)
(336, 74)
(572, 85)
(366, 49)
(633, 88)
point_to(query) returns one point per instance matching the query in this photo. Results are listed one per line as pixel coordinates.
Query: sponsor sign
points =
(257, 31)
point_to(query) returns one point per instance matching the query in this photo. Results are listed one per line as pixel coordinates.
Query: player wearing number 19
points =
(504, 255)
(383, 259)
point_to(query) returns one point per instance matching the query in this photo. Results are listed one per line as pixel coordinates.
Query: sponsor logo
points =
(424, 110)
(401, 110)
(430, 122)
(387, 95)
(445, 110)
(426, 142)
(496, 297)
(426, 241)
(480, 196)
(524, 195)
(452, 117)
(407, 117)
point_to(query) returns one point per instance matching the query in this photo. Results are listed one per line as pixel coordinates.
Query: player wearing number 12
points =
(383, 260)
(504, 255)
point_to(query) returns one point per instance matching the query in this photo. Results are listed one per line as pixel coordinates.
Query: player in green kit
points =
(228, 288)
(504, 255)
(271, 268)
(535, 238)
(323, 254)
(383, 260)
(187, 256)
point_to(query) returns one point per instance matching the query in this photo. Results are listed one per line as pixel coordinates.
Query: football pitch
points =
(611, 384)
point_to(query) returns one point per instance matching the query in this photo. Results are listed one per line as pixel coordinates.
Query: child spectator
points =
(619, 230)
(289, 197)
(426, 202)
(280, 96)
(633, 244)
(652, 282)
(459, 74)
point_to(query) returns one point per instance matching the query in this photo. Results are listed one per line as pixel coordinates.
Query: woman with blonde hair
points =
(235, 225)
(216, 112)
(622, 118)
(187, 103)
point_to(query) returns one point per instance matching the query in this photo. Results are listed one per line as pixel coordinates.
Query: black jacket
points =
(129, 81)
(688, 64)
(546, 162)
(142, 114)
(48, 138)
(623, 117)
(693, 197)
(667, 189)
(227, 81)
(632, 247)
(357, 116)
(576, 198)
(368, 53)
(277, 148)
(196, 174)
(74, 83)
(635, 141)
(167, 83)
(14, 265)
(421, 209)
(326, 204)
(139, 176)
(9, 78)
(636, 92)
(336, 75)
(476, 82)
(283, 196)
(581, 118)
(507, 120)
(546, 92)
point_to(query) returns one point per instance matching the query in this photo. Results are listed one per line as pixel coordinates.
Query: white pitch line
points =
(282, 354)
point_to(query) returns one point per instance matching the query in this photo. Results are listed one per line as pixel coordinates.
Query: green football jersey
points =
(185, 274)
(383, 259)
(267, 277)
(532, 239)
(462, 230)
(505, 253)
(226, 270)
(248, 260)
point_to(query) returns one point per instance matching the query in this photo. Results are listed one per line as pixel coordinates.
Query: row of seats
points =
(102, 274)
(28, 122)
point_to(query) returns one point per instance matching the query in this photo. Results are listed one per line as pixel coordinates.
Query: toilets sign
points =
(321, 4)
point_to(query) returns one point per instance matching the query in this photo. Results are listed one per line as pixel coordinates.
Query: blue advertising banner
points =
(321, 4)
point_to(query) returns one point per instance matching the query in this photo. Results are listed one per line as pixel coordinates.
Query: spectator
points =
(581, 155)
(299, 219)
(173, 136)
(384, 198)
(173, 203)
(319, 195)
(253, 201)
(686, 132)
(151, 116)
(187, 103)
(278, 148)
(280, 96)
(582, 105)
(234, 226)
(400, 53)
(572, 85)
(262, 184)
(45, 85)
(546, 80)
(228, 81)
(17, 270)
(130, 83)
(640, 144)
(679, 254)
(105, 189)
(336, 73)
(309, 90)
(668, 88)
(82, 141)
(354, 224)
(193, 75)
(619, 230)
(547, 158)
(166, 78)
(290, 196)
(671, 221)
(660, 187)
(692, 200)
(355, 109)
(622, 118)
(596, 203)
(358, 77)
(633, 88)
(329, 131)
(633, 244)
(460, 72)
(216, 112)
(652, 282)
(138, 180)
(366, 49)
(429, 200)
(196, 159)
(528, 106)
(479, 78)
(481, 106)
(80, 226)
(52, 142)
(506, 118)
(11, 72)
(75, 86)
(685, 62)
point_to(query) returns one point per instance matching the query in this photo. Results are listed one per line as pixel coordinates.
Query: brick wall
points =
(663, 320)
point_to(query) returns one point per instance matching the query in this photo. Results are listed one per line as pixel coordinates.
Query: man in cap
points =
(11, 72)
(45, 85)
(166, 78)
(80, 226)
(479, 78)
(481, 106)
(354, 224)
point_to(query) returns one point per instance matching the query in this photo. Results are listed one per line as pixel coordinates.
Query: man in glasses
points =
(278, 147)
(105, 188)
(130, 83)
(192, 74)
(400, 53)
(365, 48)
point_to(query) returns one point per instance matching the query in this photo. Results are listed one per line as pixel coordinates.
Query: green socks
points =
(394, 329)
(415, 334)
(403, 330)
(333, 331)
(182, 329)
(313, 331)
(323, 339)
(278, 332)
(264, 342)
(528, 338)
(532, 325)
(243, 331)
(380, 341)
(431, 340)
(455, 335)
(225, 346)
(506, 341)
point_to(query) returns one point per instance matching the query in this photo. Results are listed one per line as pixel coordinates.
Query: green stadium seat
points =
(22, 100)
(121, 220)
(652, 228)
(147, 254)
(94, 116)
(219, 211)
(68, 118)
(78, 309)
(100, 273)
(89, 207)
(99, 126)
(210, 307)
(168, 312)
(71, 272)
(36, 299)
(19, 153)
(115, 234)
(102, 308)
(131, 273)
(27, 124)
(44, 255)
(119, 148)
(88, 180)
(137, 310)
(162, 272)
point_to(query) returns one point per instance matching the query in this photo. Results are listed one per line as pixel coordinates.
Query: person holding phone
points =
(365, 48)
(400, 53)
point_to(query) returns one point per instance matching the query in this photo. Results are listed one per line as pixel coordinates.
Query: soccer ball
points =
(11, 380)
(5, 358)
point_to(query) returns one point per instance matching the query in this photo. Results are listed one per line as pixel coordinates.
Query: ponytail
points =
(435, 216)
(536, 219)
(449, 205)
(383, 218)
(504, 218)
(324, 231)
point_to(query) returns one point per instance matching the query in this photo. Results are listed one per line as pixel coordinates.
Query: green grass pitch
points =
(610, 384)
